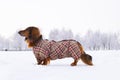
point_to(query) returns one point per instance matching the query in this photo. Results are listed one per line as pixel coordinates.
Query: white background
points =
(78, 15)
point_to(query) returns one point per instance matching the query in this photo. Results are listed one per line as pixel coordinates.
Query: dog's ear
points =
(34, 33)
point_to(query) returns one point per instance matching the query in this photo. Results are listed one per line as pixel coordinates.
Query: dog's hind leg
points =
(74, 63)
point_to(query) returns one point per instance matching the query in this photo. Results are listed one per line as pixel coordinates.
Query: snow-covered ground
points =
(22, 66)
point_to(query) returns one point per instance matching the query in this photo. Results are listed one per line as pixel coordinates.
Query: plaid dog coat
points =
(57, 50)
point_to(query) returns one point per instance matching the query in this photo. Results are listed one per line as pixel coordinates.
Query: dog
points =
(45, 50)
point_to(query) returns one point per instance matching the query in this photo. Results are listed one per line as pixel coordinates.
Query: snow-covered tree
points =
(97, 40)
(18, 42)
(1, 42)
(60, 34)
(54, 35)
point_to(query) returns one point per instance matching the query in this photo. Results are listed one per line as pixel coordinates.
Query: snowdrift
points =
(22, 66)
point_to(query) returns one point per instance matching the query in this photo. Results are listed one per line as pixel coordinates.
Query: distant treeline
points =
(90, 41)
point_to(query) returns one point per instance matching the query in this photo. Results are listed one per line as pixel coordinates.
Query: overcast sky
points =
(77, 15)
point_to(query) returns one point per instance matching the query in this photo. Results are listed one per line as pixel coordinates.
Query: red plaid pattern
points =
(57, 50)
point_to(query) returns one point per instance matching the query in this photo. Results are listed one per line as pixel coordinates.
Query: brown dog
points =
(45, 50)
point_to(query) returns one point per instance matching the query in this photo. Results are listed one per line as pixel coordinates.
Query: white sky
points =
(78, 15)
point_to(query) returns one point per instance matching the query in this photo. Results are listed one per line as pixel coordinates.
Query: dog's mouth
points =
(28, 39)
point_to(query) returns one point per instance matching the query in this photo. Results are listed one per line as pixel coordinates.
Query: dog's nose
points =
(19, 32)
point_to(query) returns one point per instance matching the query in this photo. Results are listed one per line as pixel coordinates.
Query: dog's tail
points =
(86, 58)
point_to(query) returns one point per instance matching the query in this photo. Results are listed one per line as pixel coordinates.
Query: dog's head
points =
(86, 58)
(31, 34)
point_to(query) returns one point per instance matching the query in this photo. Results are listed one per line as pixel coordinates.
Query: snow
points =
(22, 66)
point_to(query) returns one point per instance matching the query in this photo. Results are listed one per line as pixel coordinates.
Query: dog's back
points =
(65, 48)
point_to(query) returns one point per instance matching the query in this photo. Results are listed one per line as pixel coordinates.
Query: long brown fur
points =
(32, 36)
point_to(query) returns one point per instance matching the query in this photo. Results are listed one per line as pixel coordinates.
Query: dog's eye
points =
(26, 38)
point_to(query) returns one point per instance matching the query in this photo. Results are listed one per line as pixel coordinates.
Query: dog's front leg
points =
(39, 62)
(46, 61)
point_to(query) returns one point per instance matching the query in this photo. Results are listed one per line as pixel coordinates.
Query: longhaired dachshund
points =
(45, 50)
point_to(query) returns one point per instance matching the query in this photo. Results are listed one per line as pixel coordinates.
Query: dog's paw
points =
(38, 63)
(73, 64)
